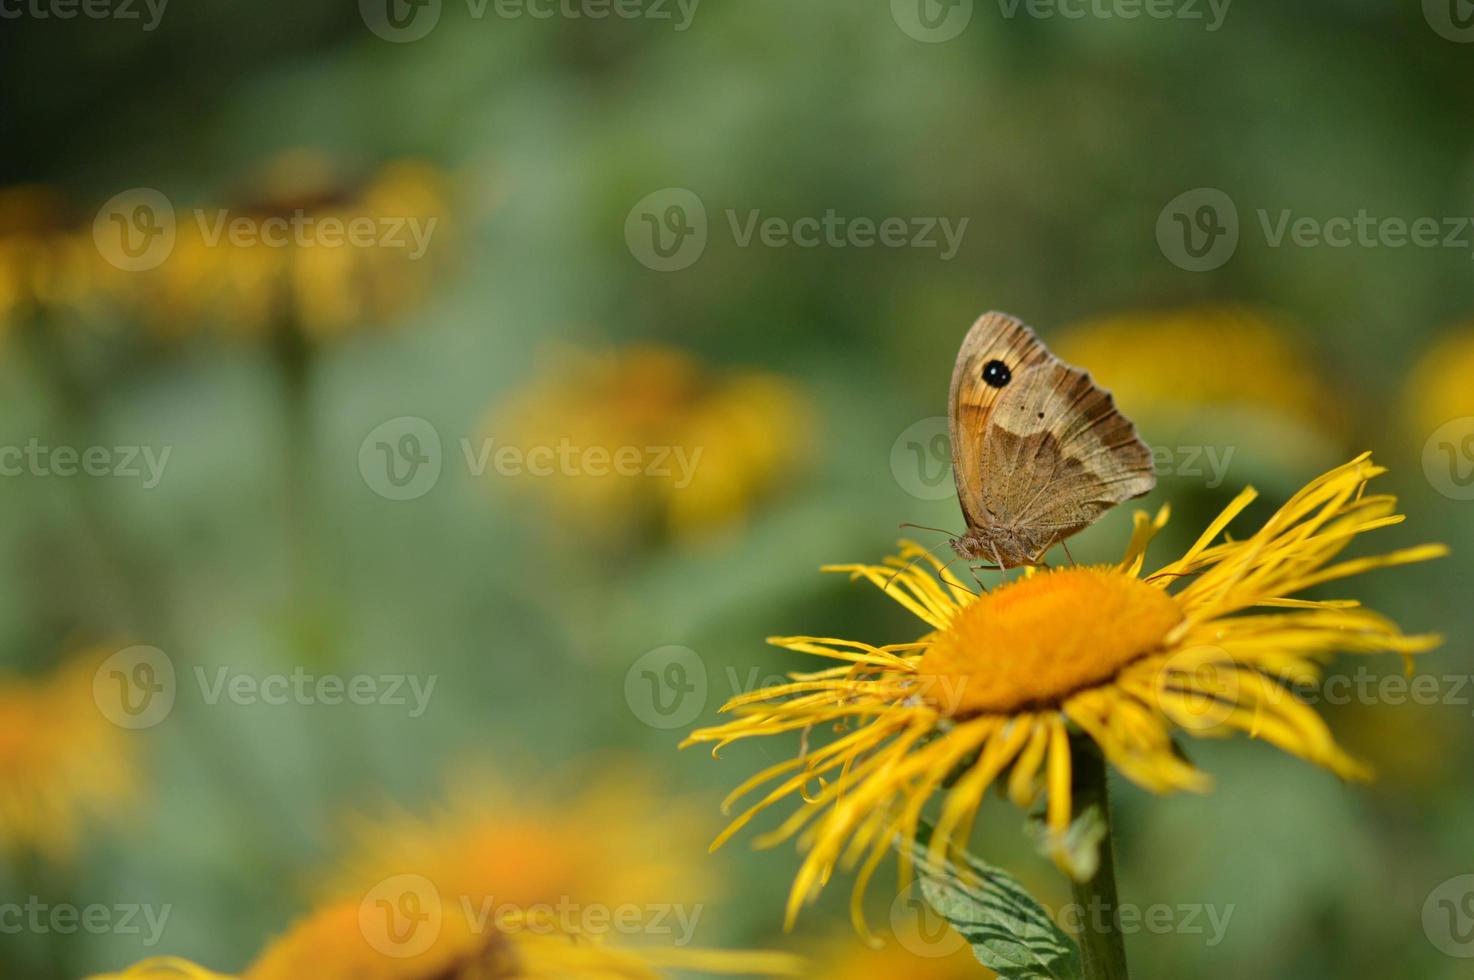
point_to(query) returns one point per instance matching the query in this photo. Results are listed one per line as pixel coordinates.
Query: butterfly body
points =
(1039, 452)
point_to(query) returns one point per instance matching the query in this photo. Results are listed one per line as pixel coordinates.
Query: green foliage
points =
(1009, 931)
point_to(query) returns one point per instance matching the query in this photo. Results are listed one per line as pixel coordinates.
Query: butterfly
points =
(1039, 451)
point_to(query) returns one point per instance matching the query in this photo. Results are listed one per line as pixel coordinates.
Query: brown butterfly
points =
(1038, 450)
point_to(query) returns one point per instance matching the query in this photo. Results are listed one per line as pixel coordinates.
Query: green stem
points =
(1101, 945)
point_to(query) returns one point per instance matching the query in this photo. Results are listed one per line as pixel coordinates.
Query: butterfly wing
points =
(1046, 451)
(973, 404)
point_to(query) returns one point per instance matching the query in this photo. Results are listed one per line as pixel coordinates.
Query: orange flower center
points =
(1034, 642)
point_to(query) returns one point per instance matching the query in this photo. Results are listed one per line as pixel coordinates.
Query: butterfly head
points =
(1006, 547)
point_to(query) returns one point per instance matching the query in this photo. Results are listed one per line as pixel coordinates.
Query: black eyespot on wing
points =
(996, 374)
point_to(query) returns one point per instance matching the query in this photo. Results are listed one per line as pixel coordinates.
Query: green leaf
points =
(1009, 931)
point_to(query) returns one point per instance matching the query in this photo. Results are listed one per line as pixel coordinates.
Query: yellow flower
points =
(1227, 377)
(500, 886)
(1438, 388)
(47, 263)
(857, 961)
(647, 439)
(339, 942)
(995, 689)
(61, 760)
(617, 839)
(325, 280)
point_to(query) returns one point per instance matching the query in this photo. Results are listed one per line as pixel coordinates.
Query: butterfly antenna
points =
(958, 584)
(923, 527)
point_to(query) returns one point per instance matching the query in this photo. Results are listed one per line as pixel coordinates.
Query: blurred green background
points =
(283, 381)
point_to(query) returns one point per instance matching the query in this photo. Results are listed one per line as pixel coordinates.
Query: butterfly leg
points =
(997, 559)
(973, 569)
(1067, 554)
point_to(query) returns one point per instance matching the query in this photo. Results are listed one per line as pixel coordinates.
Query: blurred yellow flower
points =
(999, 685)
(1224, 377)
(48, 263)
(647, 440)
(342, 941)
(507, 883)
(614, 839)
(305, 248)
(1440, 387)
(61, 759)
